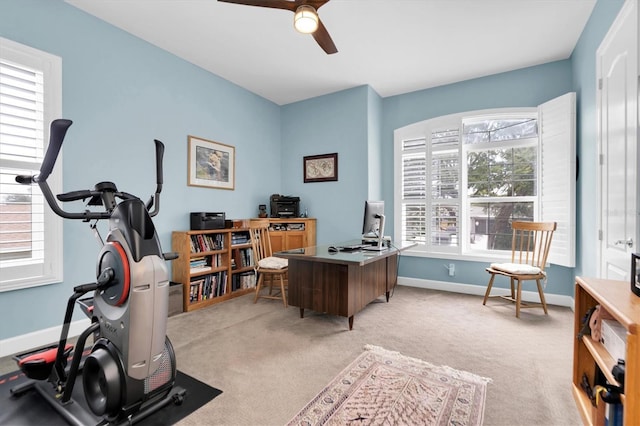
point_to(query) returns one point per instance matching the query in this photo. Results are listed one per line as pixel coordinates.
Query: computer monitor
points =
(373, 224)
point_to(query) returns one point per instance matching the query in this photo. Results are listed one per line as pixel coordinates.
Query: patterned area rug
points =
(385, 387)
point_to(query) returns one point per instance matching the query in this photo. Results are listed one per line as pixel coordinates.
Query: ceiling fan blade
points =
(321, 35)
(324, 39)
(274, 4)
(316, 4)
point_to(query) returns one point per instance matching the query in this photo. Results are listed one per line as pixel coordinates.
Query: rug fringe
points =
(462, 375)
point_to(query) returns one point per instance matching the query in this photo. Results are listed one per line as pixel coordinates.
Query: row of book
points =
(208, 286)
(242, 258)
(206, 242)
(202, 263)
(240, 238)
(243, 281)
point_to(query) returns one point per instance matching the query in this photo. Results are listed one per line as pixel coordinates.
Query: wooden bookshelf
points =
(213, 266)
(618, 300)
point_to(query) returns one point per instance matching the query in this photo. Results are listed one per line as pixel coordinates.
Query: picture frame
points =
(320, 168)
(635, 274)
(211, 164)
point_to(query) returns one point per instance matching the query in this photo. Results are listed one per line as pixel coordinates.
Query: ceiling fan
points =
(305, 20)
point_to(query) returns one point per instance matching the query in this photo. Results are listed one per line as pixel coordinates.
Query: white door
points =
(617, 69)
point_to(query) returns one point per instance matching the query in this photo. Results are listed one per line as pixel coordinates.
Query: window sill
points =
(479, 257)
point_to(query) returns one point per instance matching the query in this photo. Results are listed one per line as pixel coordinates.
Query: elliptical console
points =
(130, 370)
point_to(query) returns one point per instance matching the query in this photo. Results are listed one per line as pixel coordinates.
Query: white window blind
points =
(30, 234)
(414, 176)
(558, 136)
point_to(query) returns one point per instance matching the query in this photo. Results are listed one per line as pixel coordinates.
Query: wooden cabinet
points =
(213, 266)
(292, 233)
(589, 355)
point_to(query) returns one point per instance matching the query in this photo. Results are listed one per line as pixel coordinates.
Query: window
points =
(501, 156)
(30, 233)
(462, 179)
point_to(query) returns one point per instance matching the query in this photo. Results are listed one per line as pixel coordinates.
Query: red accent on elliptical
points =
(45, 357)
(127, 274)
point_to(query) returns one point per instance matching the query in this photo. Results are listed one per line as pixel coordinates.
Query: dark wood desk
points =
(341, 283)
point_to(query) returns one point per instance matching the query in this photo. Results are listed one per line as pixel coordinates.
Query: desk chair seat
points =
(268, 268)
(530, 246)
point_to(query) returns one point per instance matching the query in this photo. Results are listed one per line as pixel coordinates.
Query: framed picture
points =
(320, 168)
(211, 164)
(635, 273)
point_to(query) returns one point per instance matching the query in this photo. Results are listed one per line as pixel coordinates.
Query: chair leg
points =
(284, 295)
(542, 300)
(513, 294)
(258, 287)
(486, 294)
(267, 282)
(518, 299)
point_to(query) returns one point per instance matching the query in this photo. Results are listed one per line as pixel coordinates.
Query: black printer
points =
(285, 206)
(204, 221)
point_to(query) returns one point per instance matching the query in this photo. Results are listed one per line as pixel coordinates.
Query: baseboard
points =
(26, 342)
(527, 296)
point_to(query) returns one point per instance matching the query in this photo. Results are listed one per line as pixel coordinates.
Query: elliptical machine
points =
(129, 372)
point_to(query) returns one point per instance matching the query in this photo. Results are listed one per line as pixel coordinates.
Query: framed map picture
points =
(320, 168)
(211, 164)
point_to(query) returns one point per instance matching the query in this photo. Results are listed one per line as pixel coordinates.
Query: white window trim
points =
(51, 271)
(555, 143)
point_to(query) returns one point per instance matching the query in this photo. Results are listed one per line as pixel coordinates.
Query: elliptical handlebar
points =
(155, 199)
(58, 131)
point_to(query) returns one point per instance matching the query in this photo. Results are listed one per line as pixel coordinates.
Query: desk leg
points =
(388, 293)
(351, 322)
(301, 312)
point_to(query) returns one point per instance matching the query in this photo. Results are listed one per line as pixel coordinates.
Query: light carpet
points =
(386, 387)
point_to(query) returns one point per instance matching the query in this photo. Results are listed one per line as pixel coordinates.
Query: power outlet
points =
(452, 269)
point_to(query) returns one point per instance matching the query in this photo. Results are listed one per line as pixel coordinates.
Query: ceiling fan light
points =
(306, 19)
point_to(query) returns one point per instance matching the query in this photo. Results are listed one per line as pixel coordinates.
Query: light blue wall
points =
(122, 93)
(584, 81)
(332, 123)
(376, 161)
(347, 122)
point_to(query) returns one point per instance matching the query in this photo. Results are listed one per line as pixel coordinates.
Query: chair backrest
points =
(260, 241)
(531, 242)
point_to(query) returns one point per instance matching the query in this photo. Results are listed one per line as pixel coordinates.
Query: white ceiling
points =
(395, 46)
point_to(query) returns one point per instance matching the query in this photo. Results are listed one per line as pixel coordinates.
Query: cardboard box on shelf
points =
(614, 339)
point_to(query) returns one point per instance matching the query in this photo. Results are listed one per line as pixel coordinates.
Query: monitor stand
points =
(374, 248)
(378, 240)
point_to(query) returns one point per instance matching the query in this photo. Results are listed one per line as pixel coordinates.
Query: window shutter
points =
(21, 208)
(557, 119)
(30, 234)
(414, 178)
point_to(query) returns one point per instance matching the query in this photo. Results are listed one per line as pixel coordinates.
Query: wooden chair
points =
(268, 268)
(530, 246)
